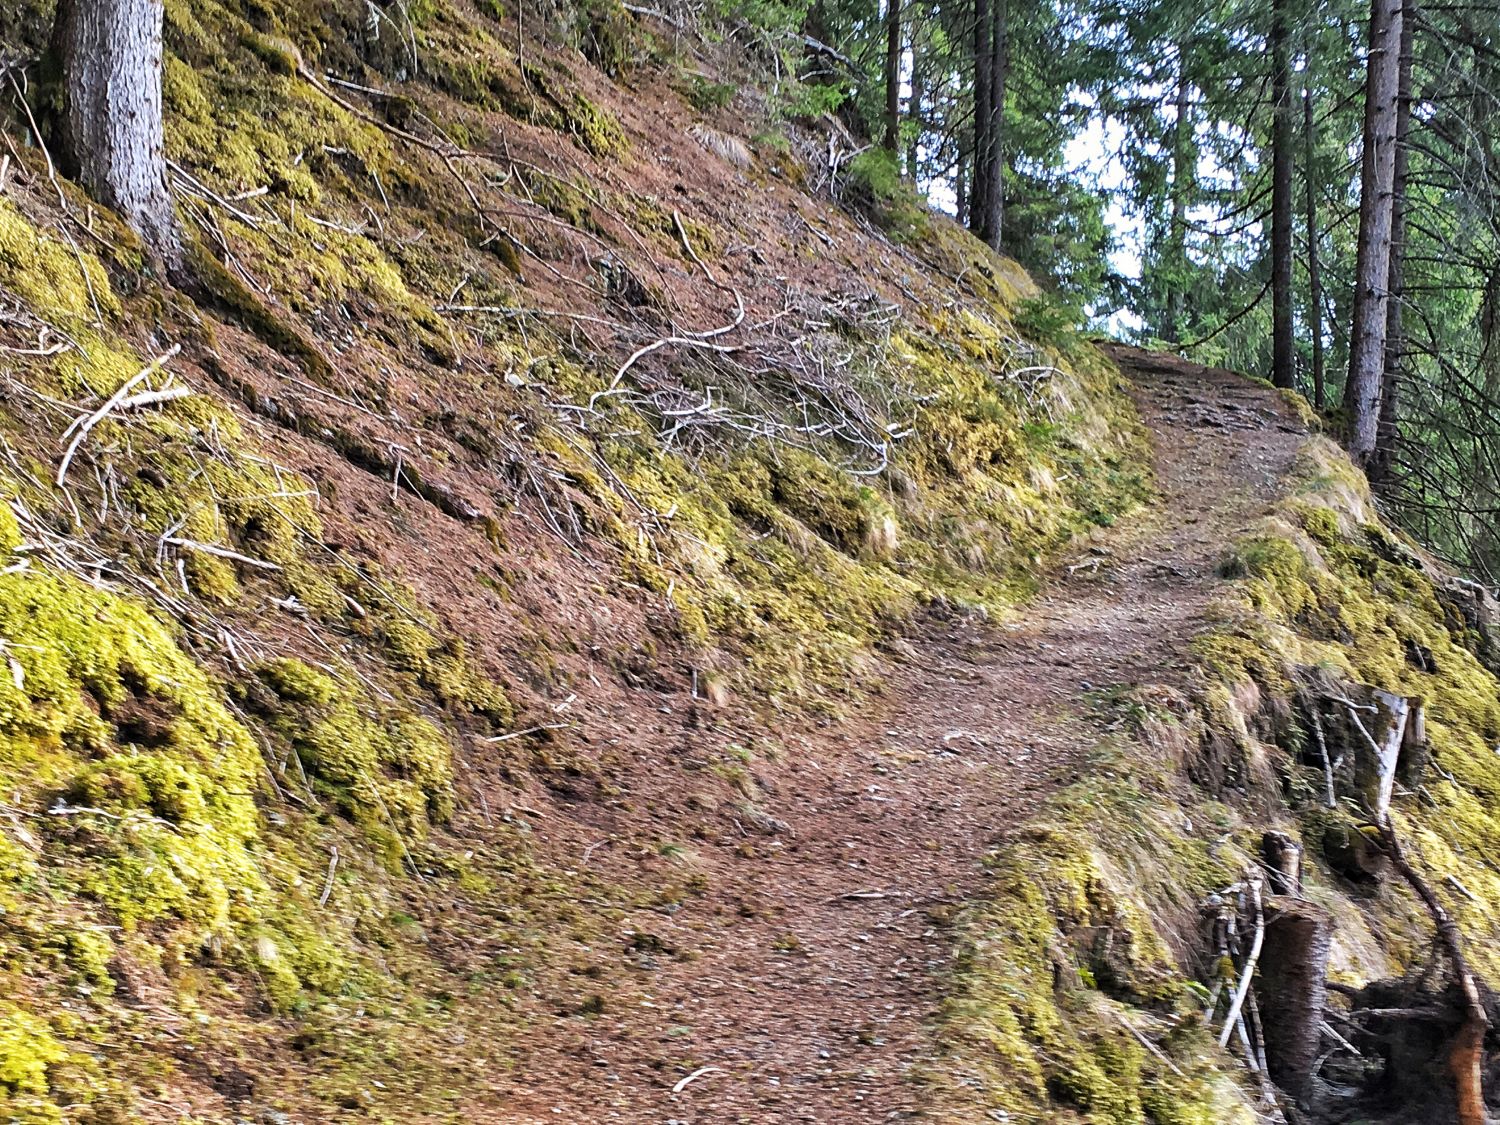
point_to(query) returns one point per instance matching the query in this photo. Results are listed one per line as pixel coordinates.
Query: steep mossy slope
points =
(1098, 923)
(1332, 589)
(291, 641)
(510, 380)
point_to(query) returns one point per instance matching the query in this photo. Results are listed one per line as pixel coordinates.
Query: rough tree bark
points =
(1314, 269)
(1386, 432)
(978, 207)
(1184, 173)
(994, 188)
(1372, 264)
(1293, 990)
(892, 76)
(110, 53)
(1283, 346)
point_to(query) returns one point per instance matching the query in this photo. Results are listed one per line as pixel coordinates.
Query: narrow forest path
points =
(813, 998)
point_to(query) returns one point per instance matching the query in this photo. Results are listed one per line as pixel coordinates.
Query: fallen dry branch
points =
(702, 340)
(1146, 1043)
(219, 552)
(691, 1078)
(333, 866)
(1247, 971)
(80, 429)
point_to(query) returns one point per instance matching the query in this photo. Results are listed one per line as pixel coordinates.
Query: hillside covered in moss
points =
(472, 638)
(483, 410)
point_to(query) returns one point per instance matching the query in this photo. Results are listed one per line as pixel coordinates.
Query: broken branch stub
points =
(1282, 856)
(1388, 751)
(1388, 737)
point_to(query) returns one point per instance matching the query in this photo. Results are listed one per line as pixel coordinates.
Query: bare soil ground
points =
(800, 984)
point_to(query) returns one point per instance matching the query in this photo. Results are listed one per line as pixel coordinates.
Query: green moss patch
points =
(1065, 965)
(1331, 588)
(391, 771)
(786, 561)
(105, 714)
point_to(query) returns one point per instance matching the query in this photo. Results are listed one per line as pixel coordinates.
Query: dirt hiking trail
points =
(808, 996)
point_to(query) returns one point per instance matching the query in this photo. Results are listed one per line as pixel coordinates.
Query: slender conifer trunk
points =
(1283, 339)
(1372, 265)
(110, 53)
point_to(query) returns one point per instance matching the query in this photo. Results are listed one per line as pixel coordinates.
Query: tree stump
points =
(1292, 989)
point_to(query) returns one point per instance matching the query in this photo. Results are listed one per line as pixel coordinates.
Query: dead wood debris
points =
(1386, 733)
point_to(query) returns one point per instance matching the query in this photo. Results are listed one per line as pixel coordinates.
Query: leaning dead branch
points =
(1466, 1056)
(1247, 971)
(1404, 729)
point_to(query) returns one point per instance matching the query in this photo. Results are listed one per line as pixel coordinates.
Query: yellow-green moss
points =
(10, 530)
(1321, 583)
(85, 954)
(783, 559)
(141, 788)
(47, 277)
(1327, 585)
(27, 1050)
(445, 668)
(107, 712)
(1063, 954)
(776, 562)
(592, 127)
(391, 771)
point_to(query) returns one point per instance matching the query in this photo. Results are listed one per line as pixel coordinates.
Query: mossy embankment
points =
(506, 459)
(1071, 998)
(286, 656)
(1332, 589)
(1096, 932)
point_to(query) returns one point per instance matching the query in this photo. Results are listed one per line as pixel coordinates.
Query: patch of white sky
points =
(1094, 157)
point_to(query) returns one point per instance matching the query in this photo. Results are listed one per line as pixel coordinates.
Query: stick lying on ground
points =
(80, 429)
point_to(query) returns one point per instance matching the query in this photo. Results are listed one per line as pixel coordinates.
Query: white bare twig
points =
(219, 552)
(80, 428)
(1247, 973)
(333, 865)
(697, 1074)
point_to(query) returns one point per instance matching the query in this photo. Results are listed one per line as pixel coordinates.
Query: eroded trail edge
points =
(803, 988)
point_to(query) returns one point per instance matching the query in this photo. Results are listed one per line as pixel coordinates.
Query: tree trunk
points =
(1283, 347)
(1184, 172)
(1292, 990)
(914, 115)
(994, 188)
(893, 76)
(1480, 479)
(1314, 271)
(1386, 432)
(978, 205)
(110, 53)
(1372, 264)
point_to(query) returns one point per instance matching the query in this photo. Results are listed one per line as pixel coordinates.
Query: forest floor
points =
(802, 984)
